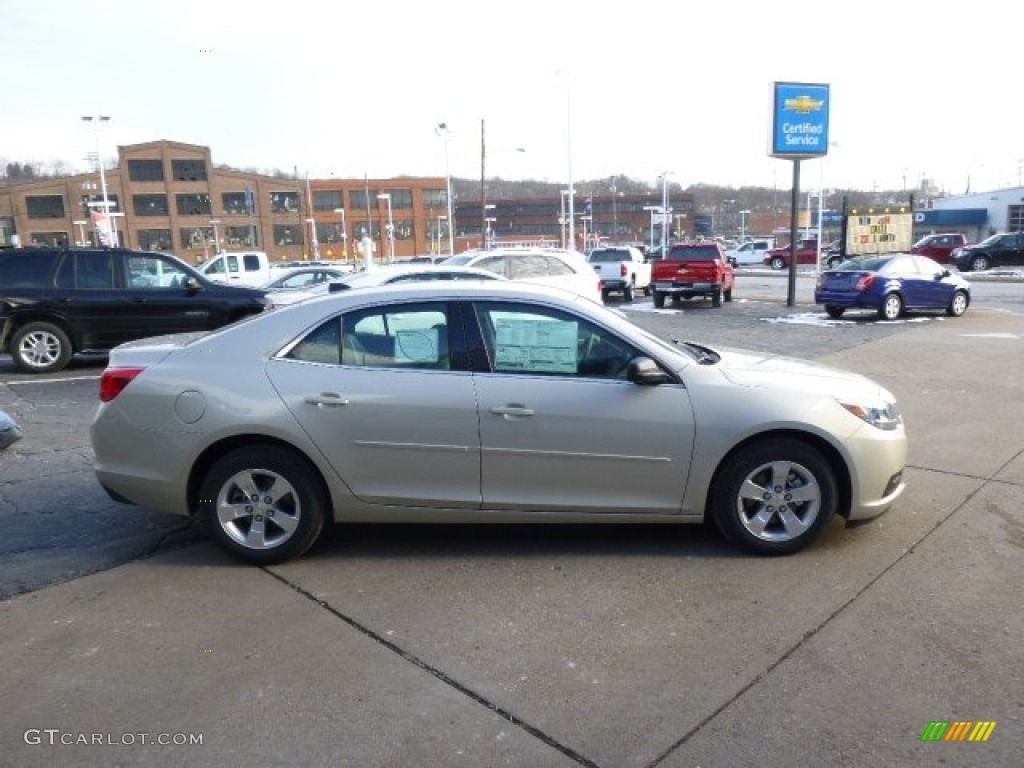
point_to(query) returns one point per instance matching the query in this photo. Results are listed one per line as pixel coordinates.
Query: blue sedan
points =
(891, 285)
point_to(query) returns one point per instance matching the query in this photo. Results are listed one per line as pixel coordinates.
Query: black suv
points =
(1002, 250)
(55, 302)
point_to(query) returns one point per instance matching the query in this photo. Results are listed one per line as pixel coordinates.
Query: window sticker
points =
(420, 346)
(535, 346)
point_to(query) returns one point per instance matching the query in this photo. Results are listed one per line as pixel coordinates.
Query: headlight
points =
(881, 415)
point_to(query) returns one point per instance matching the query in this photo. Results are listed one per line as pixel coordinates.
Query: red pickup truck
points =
(693, 269)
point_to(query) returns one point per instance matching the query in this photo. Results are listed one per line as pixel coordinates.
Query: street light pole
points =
(665, 212)
(743, 225)
(216, 238)
(95, 120)
(442, 128)
(391, 226)
(344, 233)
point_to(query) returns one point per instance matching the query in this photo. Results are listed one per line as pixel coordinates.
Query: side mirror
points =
(645, 372)
(191, 284)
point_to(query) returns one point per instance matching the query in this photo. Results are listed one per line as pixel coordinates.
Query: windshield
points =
(605, 257)
(457, 261)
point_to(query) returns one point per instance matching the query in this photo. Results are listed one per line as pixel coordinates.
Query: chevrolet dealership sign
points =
(800, 120)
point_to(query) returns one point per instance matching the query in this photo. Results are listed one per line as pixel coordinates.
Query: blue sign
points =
(800, 120)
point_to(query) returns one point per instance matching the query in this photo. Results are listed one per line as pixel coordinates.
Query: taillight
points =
(865, 282)
(114, 380)
(622, 270)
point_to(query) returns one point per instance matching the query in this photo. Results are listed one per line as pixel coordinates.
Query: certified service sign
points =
(800, 120)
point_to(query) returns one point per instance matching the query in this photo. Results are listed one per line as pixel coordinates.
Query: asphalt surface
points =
(527, 646)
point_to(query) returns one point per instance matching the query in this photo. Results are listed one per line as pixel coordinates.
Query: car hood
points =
(753, 369)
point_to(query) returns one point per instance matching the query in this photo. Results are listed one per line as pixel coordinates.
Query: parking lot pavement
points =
(618, 647)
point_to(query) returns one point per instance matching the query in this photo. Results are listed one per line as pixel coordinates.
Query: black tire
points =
(761, 510)
(777, 262)
(727, 294)
(892, 307)
(716, 298)
(980, 263)
(275, 528)
(659, 299)
(958, 304)
(627, 292)
(604, 294)
(834, 312)
(834, 261)
(40, 348)
(647, 290)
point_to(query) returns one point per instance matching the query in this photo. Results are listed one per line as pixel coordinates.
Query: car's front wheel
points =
(958, 304)
(263, 504)
(774, 497)
(833, 311)
(40, 348)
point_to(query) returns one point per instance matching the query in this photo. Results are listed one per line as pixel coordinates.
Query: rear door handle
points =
(327, 400)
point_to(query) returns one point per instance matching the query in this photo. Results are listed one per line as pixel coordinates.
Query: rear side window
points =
(26, 270)
(252, 262)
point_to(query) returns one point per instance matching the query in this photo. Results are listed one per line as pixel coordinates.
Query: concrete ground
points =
(612, 647)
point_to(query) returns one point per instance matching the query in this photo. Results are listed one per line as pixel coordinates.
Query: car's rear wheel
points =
(774, 497)
(834, 261)
(263, 504)
(716, 298)
(980, 263)
(40, 348)
(833, 311)
(727, 294)
(627, 292)
(659, 299)
(892, 307)
(778, 262)
(958, 304)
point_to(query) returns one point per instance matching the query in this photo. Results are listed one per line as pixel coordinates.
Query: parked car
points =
(891, 285)
(380, 275)
(750, 252)
(806, 253)
(1002, 250)
(55, 302)
(832, 254)
(485, 402)
(10, 432)
(543, 266)
(303, 278)
(693, 269)
(622, 269)
(939, 247)
(252, 268)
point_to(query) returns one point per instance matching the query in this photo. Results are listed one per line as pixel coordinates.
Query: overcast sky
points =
(638, 88)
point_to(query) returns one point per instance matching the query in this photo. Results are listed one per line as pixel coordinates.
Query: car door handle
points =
(512, 411)
(327, 400)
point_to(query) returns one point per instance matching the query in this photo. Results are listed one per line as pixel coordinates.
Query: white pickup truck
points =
(252, 268)
(622, 269)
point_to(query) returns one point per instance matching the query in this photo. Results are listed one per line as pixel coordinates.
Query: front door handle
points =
(512, 411)
(327, 400)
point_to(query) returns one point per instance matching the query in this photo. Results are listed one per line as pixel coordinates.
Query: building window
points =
(146, 170)
(45, 206)
(287, 234)
(234, 203)
(362, 229)
(196, 237)
(242, 237)
(150, 205)
(327, 200)
(154, 239)
(328, 233)
(50, 239)
(435, 198)
(358, 198)
(401, 199)
(193, 205)
(284, 202)
(1015, 218)
(189, 170)
(403, 229)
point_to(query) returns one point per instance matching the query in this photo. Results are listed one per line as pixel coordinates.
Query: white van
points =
(751, 252)
(243, 268)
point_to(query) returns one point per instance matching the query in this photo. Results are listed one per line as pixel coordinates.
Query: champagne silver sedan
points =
(485, 402)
